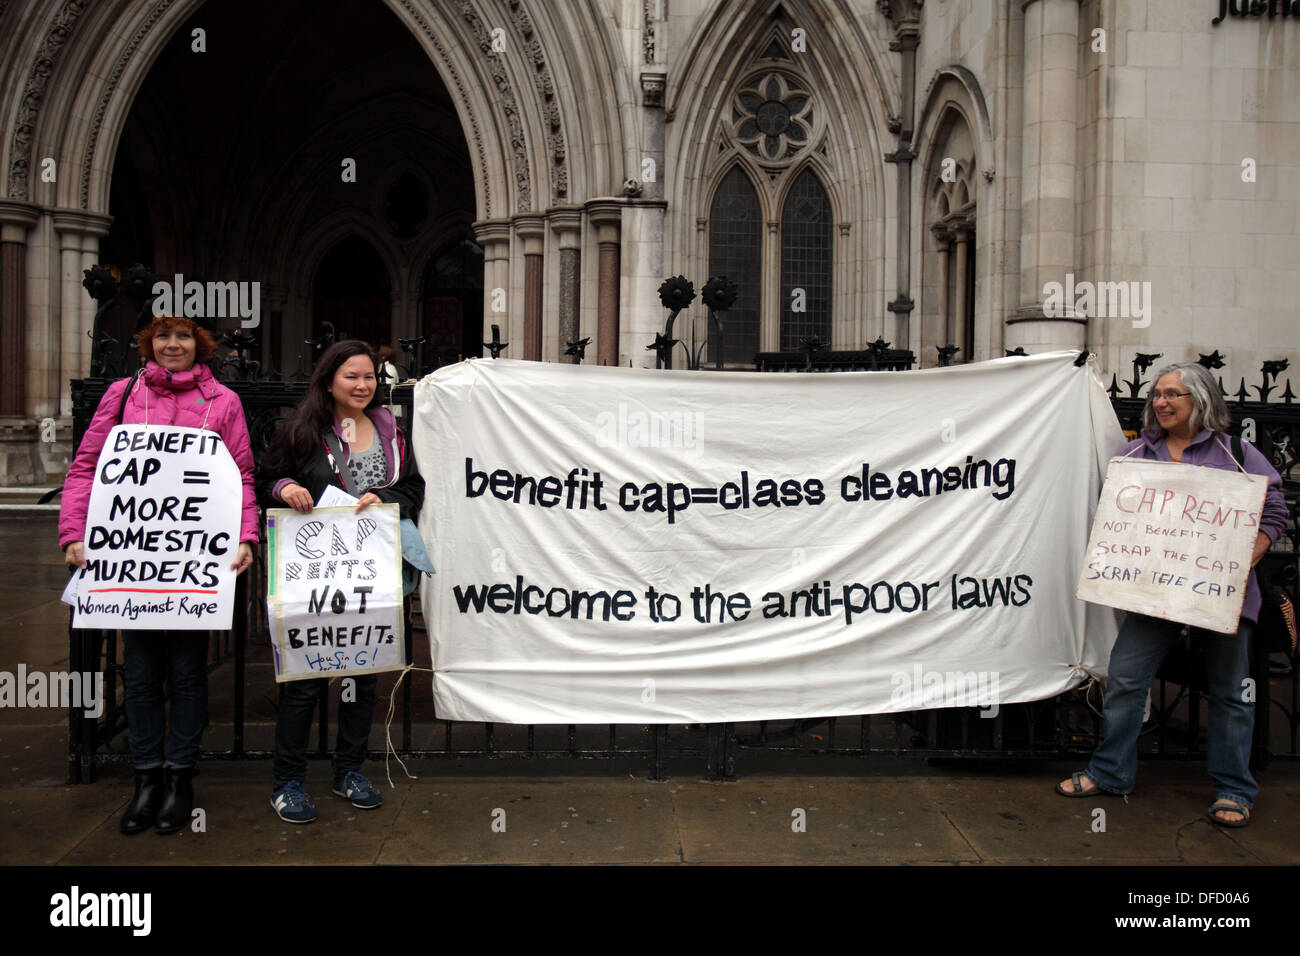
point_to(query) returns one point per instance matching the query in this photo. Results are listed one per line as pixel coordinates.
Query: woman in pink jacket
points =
(175, 388)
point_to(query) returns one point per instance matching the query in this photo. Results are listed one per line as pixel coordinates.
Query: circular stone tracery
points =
(773, 117)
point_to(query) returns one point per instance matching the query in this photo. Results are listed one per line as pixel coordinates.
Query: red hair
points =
(204, 345)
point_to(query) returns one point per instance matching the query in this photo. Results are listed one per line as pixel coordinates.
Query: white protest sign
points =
(335, 591)
(638, 546)
(1174, 541)
(162, 530)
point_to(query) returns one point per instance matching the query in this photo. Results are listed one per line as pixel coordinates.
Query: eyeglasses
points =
(1169, 396)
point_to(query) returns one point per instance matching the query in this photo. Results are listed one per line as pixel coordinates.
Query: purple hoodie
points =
(1205, 450)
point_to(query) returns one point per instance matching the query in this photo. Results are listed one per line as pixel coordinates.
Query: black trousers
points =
(298, 703)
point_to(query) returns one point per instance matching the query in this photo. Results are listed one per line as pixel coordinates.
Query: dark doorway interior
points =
(452, 305)
(353, 293)
(242, 150)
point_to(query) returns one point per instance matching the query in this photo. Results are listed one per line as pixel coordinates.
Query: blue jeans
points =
(298, 701)
(180, 657)
(1140, 648)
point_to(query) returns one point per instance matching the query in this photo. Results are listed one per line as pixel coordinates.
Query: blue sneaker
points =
(352, 786)
(292, 804)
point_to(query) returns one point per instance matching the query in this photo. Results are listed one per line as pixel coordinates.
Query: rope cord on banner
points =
(389, 749)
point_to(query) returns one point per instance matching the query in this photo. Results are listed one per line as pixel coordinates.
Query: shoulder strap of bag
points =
(126, 393)
(335, 449)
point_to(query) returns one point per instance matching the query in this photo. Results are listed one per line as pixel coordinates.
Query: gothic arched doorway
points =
(321, 156)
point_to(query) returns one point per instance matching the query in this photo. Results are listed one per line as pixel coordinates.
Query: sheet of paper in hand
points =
(334, 591)
(1173, 541)
(162, 530)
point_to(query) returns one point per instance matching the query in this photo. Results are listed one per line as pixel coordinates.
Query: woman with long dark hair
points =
(338, 434)
(175, 387)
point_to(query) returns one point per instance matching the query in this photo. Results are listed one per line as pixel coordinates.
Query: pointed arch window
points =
(948, 266)
(736, 251)
(805, 263)
(800, 253)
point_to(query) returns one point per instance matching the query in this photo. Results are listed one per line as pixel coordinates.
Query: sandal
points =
(1078, 791)
(1228, 805)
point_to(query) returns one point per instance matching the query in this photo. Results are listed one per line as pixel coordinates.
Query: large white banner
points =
(334, 591)
(632, 546)
(162, 530)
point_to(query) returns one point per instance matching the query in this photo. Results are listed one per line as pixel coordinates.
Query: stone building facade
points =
(917, 171)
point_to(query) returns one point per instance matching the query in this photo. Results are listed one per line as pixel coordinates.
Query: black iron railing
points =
(1064, 726)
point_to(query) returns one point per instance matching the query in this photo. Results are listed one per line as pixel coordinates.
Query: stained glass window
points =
(806, 230)
(735, 250)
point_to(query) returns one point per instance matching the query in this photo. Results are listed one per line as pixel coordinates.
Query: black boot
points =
(178, 799)
(143, 808)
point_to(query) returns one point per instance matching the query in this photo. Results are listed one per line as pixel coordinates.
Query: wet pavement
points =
(877, 810)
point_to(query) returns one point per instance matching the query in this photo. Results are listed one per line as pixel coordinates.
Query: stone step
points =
(28, 509)
(25, 495)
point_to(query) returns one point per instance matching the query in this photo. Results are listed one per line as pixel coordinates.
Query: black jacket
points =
(407, 491)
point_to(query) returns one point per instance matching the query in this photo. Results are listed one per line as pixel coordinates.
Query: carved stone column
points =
(961, 307)
(653, 83)
(15, 219)
(606, 216)
(532, 230)
(906, 17)
(943, 240)
(20, 434)
(1048, 167)
(494, 236)
(79, 235)
(566, 221)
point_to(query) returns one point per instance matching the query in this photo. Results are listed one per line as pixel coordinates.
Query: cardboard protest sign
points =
(335, 591)
(638, 546)
(162, 530)
(1174, 541)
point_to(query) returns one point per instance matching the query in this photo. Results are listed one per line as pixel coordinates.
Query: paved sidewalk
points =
(882, 810)
(474, 812)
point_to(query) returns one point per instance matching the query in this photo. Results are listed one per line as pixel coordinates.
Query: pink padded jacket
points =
(193, 398)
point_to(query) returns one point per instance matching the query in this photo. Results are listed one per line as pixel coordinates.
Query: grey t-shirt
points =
(368, 467)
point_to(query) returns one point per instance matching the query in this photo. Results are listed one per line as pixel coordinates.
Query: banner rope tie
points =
(389, 749)
(1093, 681)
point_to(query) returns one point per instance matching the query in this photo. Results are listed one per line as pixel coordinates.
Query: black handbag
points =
(1277, 624)
(1277, 619)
